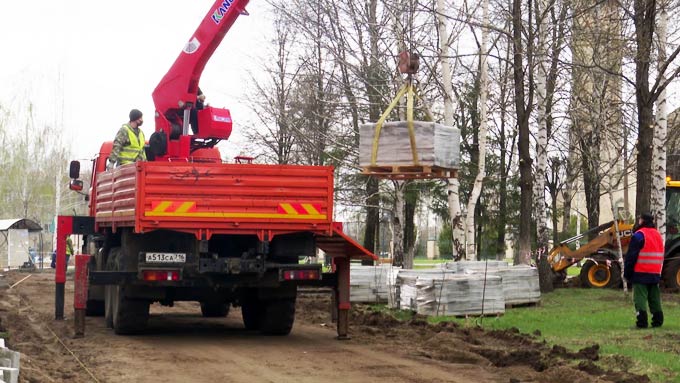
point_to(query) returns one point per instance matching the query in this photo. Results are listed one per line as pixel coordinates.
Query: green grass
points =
(424, 263)
(577, 318)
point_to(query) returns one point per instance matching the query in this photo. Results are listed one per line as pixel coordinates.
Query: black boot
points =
(641, 321)
(657, 319)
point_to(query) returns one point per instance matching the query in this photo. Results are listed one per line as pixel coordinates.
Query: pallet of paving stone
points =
(520, 284)
(460, 295)
(474, 266)
(371, 284)
(437, 150)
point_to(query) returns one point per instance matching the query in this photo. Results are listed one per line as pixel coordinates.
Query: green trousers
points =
(644, 294)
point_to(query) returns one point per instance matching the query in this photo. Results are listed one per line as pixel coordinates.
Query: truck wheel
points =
(214, 310)
(595, 275)
(252, 311)
(671, 274)
(94, 308)
(108, 296)
(129, 315)
(279, 315)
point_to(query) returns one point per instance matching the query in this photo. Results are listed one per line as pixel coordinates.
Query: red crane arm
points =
(178, 88)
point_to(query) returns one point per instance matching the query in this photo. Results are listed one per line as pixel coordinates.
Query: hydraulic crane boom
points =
(176, 93)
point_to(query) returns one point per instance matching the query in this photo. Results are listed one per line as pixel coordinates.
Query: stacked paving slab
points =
(9, 360)
(455, 288)
(9, 364)
(372, 284)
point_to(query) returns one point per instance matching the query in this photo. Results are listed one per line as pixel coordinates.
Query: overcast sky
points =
(84, 64)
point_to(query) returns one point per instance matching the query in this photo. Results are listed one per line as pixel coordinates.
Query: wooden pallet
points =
(405, 172)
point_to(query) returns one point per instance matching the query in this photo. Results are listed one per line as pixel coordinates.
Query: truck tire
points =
(129, 316)
(94, 308)
(108, 296)
(599, 275)
(252, 310)
(279, 315)
(671, 274)
(214, 309)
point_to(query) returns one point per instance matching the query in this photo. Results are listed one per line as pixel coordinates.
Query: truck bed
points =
(216, 198)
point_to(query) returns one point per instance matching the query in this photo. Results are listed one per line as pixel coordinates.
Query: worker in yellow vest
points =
(128, 146)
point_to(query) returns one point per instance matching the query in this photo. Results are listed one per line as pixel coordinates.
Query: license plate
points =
(166, 257)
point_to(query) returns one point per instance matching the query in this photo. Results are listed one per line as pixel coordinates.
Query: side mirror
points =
(74, 171)
(76, 185)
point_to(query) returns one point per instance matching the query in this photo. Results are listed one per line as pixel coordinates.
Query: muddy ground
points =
(181, 346)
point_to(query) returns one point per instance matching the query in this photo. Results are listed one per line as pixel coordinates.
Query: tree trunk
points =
(658, 197)
(542, 100)
(522, 110)
(453, 185)
(644, 17)
(470, 253)
(410, 204)
(397, 229)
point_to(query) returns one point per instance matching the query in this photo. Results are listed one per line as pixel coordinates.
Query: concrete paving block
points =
(10, 375)
(5, 362)
(13, 356)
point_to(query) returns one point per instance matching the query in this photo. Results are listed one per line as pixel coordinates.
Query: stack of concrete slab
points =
(436, 145)
(407, 291)
(460, 295)
(9, 364)
(520, 284)
(474, 266)
(372, 284)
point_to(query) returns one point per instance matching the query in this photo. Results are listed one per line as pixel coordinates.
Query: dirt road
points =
(181, 346)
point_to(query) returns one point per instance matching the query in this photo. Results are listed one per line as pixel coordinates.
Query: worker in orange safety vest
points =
(642, 268)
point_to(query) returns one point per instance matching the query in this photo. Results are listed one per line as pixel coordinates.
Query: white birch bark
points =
(658, 197)
(542, 137)
(470, 250)
(453, 185)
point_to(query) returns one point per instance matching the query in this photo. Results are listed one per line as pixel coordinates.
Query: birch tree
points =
(481, 170)
(453, 188)
(658, 196)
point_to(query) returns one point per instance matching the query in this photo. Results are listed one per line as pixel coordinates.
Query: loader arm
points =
(562, 256)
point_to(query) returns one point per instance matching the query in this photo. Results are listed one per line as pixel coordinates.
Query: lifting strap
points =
(410, 90)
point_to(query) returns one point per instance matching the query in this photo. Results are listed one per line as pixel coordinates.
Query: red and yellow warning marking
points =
(188, 209)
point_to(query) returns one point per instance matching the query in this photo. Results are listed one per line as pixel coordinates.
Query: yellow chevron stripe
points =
(162, 206)
(289, 209)
(185, 207)
(310, 208)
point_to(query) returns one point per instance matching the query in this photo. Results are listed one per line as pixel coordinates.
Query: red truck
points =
(185, 226)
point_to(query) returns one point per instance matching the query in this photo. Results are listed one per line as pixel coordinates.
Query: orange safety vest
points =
(650, 259)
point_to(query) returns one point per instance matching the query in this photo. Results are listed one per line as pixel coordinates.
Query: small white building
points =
(15, 240)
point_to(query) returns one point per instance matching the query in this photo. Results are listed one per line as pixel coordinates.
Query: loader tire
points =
(671, 274)
(279, 315)
(599, 275)
(214, 309)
